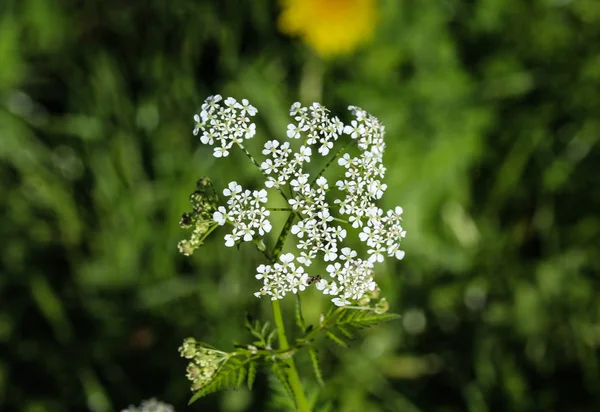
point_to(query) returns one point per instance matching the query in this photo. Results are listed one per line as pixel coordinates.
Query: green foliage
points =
(314, 360)
(279, 370)
(345, 321)
(252, 369)
(490, 109)
(263, 333)
(280, 397)
(231, 375)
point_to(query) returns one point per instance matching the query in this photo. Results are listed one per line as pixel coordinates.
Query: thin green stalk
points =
(301, 401)
(253, 160)
(331, 160)
(294, 378)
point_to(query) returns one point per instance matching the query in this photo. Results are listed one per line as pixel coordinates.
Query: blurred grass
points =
(491, 111)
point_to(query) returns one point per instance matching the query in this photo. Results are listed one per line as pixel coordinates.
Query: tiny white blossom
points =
(230, 102)
(220, 216)
(246, 108)
(220, 152)
(293, 131)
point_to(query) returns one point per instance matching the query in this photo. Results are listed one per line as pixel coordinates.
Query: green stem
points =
(294, 378)
(253, 160)
(331, 160)
(337, 219)
(301, 401)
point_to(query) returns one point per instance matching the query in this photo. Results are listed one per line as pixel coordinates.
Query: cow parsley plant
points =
(322, 213)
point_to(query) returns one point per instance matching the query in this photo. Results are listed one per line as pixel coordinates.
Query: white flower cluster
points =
(151, 405)
(227, 125)
(283, 277)
(246, 214)
(317, 231)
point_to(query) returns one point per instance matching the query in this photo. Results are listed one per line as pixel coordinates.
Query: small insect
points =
(313, 279)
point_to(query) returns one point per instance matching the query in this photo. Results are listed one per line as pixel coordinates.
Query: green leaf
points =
(252, 368)
(314, 358)
(336, 339)
(264, 330)
(230, 375)
(345, 331)
(271, 337)
(241, 377)
(360, 319)
(279, 397)
(279, 370)
(299, 317)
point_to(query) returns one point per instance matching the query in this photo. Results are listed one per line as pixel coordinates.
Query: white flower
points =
(293, 131)
(246, 108)
(322, 184)
(229, 240)
(287, 258)
(355, 130)
(340, 301)
(318, 231)
(220, 152)
(211, 102)
(271, 147)
(295, 108)
(220, 216)
(230, 102)
(250, 131)
(232, 189)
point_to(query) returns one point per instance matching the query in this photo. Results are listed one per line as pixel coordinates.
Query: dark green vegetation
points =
(492, 110)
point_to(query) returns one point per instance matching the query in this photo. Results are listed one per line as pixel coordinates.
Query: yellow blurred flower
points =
(331, 27)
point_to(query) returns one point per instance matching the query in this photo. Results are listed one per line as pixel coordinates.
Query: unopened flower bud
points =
(188, 349)
(382, 306)
(192, 371)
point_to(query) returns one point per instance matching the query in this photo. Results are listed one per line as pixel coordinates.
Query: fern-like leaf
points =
(361, 319)
(229, 376)
(336, 339)
(344, 331)
(299, 317)
(279, 398)
(252, 368)
(314, 359)
(280, 371)
(241, 377)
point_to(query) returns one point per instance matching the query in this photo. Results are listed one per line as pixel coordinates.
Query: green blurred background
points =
(492, 112)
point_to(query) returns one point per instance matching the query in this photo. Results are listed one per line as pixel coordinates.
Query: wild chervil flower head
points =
(322, 210)
(151, 405)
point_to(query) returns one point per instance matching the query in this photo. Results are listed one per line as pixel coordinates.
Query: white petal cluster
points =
(151, 405)
(246, 213)
(315, 123)
(282, 277)
(282, 162)
(227, 125)
(317, 230)
(382, 234)
(352, 278)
